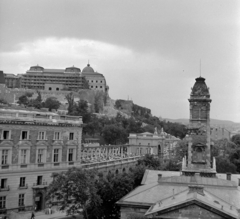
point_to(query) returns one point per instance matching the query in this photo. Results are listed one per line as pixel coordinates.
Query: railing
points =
(39, 184)
(7, 188)
(66, 165)
(23, 186)
(39, 117)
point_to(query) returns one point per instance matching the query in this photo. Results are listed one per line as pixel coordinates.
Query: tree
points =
(149, 161)
(223, 165)
(236, 139)
(113, 134)
(112, 188)
(3, 101)
(234, 158)
(75, 190)
(85, 83)
(181, 150)
(51, 103)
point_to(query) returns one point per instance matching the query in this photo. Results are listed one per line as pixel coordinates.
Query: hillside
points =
(214, 122)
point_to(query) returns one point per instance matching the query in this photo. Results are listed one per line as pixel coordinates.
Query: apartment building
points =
(33, 145)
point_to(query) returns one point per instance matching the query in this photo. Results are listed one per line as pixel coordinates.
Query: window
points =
(100, 86)
(71, 136)
(39, 180)
(92, 81)
(3, 183)
(57, 88)
(49, 88)
(2, 202)
(41, 135)
(21, 200)
(24, 135)
(96, 81)
(24, 156)
(70, 154)
(40, 155)
(55, 155)
(4, 157)
(6, 135)
(22, 181)
(91, 86)
(96, 86)
(57, 135)
(101, 81)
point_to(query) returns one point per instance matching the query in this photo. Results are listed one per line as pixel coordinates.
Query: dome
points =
(36, 68)
(200, 88)
(88, 68)
(72, 69)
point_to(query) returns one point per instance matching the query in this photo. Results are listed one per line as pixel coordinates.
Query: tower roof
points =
(200, 88)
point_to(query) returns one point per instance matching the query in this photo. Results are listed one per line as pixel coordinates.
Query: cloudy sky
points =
(148, 51)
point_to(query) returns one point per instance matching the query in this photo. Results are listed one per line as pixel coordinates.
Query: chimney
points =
(228, 176)
(159, 177)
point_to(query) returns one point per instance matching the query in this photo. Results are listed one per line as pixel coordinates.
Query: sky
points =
(148, 51)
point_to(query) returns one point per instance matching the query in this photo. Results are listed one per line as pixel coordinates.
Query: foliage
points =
(3, 101)
(234, 158)
(150, 161)
(236, 139)
(85, 83)
(51, 103)
(181, 150)
(113, 134)
(223, 165)
(112, 188)
(98, 101)
(75, 190)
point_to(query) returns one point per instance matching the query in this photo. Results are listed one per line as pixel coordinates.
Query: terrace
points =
(38, 116)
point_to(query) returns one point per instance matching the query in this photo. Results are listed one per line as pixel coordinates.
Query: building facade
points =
(95, 80)
(71, 78)
(33, 145)
(162, 144)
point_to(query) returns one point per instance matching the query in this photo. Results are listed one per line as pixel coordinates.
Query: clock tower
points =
(199, 153)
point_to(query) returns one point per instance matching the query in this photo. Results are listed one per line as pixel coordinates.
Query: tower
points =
(199, 153)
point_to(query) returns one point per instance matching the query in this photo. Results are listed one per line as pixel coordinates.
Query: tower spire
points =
(200, 68)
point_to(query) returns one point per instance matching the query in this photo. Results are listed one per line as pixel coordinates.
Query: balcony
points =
(39, 184)
(7, 188)
(23, 186)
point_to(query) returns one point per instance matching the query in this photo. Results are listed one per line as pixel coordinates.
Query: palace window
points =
(56, 155)
(5, 154)
(70, 154)
(57, 88)
(22, 182)
(57, 135)
(3, 183)
(49, 88)
(2, 202)
(71, 136)
(96, 81)
(23, 156)
(100, 86)
(21, 200)
(39, 180)
(41, 135)
(24, 135)
(6, 135)
(96, 86)
(40, 155)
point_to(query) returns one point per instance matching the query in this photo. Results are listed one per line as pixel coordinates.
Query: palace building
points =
(70, 78)
(196, 191)
(33, 145)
